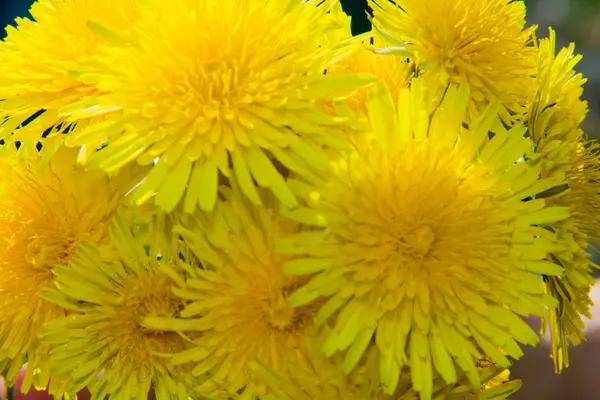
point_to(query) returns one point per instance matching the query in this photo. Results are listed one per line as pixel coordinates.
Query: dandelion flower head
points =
(59, 34)
(44, 213)
(109, 291)
(237, 300)
(564, 153)
(425, 243)
(482, 42)
(218, 88)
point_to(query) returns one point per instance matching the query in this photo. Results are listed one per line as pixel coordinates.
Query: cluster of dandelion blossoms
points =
(238, 199)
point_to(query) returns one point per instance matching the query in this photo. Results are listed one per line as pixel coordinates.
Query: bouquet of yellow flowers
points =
(238, 199)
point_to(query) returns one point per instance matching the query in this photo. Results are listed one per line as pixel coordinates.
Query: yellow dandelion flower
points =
(237, 300)
(554, 120)
(225, 87)
(482, 42)
(423, 243)
(38, 69)
(323, 380)
(44, 213)
(109, 291)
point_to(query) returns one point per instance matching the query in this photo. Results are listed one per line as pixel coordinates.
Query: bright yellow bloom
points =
(225, 87)
(423, 242)
(554, 121)
(482, 42)
(109, 291)
(237, 300)
(38, 69)
(44, 214)
(324, 381)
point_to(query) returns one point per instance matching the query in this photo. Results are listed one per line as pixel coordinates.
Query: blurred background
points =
(574, 21)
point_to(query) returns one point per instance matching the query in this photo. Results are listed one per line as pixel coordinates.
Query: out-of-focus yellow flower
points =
(323, 380)
(423, 242)
(482, 42)
(237, 300)
(38, 69)
(109, 291)
(225, 87)
(44, 214)
(563, 153)
(395, 71)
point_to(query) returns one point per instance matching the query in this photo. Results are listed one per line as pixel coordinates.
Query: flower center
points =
(153, 298)
(278, 313)
(45, 251)
(417, 242)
